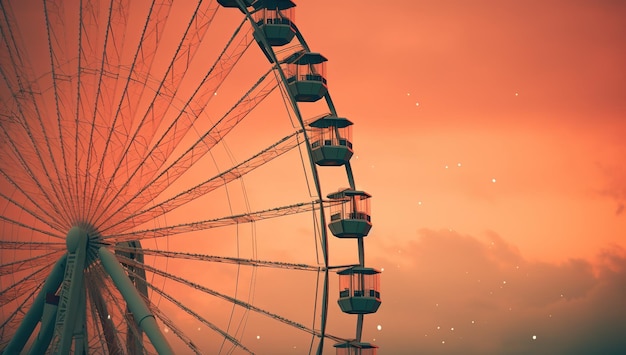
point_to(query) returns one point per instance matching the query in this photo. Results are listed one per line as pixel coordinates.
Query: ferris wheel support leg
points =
(46, 330)
(145, 319)
(69, 311)
(33, 316)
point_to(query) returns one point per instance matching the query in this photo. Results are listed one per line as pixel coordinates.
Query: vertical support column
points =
(80, 326)
(33, 316)
(134, 341)
(69, 311)
(137, 306)
(47, 325)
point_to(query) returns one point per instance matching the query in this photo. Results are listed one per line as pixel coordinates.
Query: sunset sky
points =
(491, 135)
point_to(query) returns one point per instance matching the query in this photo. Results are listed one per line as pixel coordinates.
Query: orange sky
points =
(531, 94)
(491, 136)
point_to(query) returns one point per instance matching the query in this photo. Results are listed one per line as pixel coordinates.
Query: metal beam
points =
(33, 316)
(145, 319)
(72, 290)
(46, 331)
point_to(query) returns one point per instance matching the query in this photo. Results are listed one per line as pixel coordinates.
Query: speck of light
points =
(166, 330)
(108, 316)
(417, 104)
(258, 337)
(379, 327)
(458, 164)
(493, 180)
(534, 337)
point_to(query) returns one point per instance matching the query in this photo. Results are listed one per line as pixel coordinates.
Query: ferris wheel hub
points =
(73, 238)
(93, 241)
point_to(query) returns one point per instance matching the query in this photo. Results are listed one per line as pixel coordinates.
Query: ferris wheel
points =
(175, 178)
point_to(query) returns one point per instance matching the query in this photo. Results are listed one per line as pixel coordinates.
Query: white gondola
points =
(351, 218)
(359, 290)
(306, 76)
(275, 18)
(331, 141)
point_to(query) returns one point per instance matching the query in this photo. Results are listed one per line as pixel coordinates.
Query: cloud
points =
(449, 293)
(614, 186)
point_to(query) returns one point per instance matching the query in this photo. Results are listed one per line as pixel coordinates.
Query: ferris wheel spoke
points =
(89, 58)
(22, 144)
(189, 311)
(168, 87)
(176, 229)
(135, 81)
(174, 328)
(7, 245)
(32, 262)
(266, 155)
(81, 62)
(20, 149)
(28, 227)
(221, 259)
(40, 215)
(196, 104)
(201, 96)
(17, 292)
(20, 287)
(61, 75)
(109, 70)
(227, 298)
(259, 91)
(15, 168)
(164, 95)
